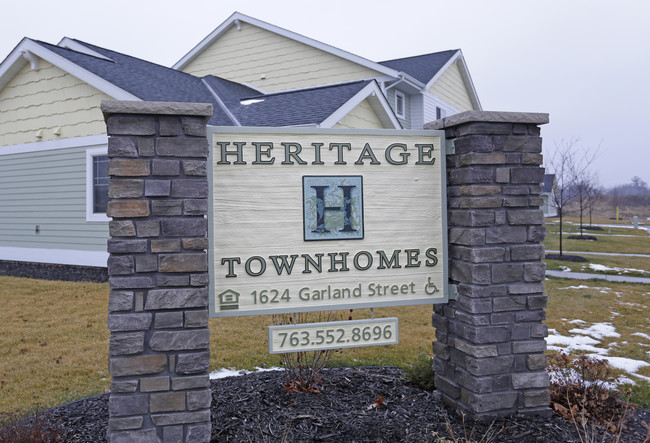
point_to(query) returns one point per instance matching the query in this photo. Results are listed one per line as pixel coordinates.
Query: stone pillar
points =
(158, 307)
(489, 348)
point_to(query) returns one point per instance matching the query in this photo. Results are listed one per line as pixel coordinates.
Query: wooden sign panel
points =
(306, 219)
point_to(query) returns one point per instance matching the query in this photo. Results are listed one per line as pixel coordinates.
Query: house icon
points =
(229, 300)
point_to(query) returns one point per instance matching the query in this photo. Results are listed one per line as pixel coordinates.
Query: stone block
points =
(539, 330)
(199, 432)
(165, 167)
(126, 343)
(130, 125)
(536, 362)
(197, 168)
(166, 208)
(177, 298)
(501, 382)
(157, 188)
(145, 147)
(154, 384)
(122, 147)
(530, 174)
(476, 218)
(502, 175)
(128, 168)
(482, 158)
(523, 144)
(165, 280)
(129, 322)
(484, 128)
(169, 125)
(140, 282)
(536, 234)
(192, 363)
(530, 380)
(485, 334)
(195, 207)
(197, 318)
(200, 399)
(532, 316)
(137, 365)
(132, 404)
(520, 332)
(534, 272)
(447, 386)
(502, 318)
(196, 244)
(470, 175)
(167, 402)
(467, 236)
(525, 288)
(485, 403)
(187, 262)
(146, 263)
(182, 340)
(470, 272)
(484, 292)
(120, 301)
(515, 202)
(476, 202)
(537, 397)
(158, 246)
(478, 351)
(537, 301)
(193, 126)
(123, 386)
(505, 234)
(168, 320)
(529, 347)
(471, 318)
(532, 159)
(127, 208)
(507, 272)
(177, 418)
(189, 188)
(179, 227)
(128, 246)
(125, 423)
(125, 188)
(140, 436)
(488, 365)
(516, 190)
(509, 303)
(190, 382)
(120, 265)
(478, 385)
(525, 217)
(121, 228)
(182, 147)
(174, 434)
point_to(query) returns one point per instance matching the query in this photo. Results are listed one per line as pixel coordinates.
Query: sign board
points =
(306, 219)
(332, 335)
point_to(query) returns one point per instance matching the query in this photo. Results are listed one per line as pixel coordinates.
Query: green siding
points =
(48, 189)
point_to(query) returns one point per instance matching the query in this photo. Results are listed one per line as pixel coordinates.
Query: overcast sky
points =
(586, 63)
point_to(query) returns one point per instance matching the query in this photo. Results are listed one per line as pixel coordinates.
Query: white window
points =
(96, 184)
(400, 104)
(440, 113)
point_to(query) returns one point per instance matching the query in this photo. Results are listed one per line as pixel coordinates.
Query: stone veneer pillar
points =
(489, 349)
(158, 307)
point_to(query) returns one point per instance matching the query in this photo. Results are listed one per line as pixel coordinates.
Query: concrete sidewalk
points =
(585, 276)
(597, 253)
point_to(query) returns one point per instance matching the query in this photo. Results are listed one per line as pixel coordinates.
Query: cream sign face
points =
(311, 220)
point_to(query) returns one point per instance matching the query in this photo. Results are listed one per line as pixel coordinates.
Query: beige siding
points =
(46, 99)
(248, 54)
(362, 116)
(451, 88)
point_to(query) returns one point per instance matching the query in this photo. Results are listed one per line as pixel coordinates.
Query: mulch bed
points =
(352, 405)
(583, 237)
(565, 257)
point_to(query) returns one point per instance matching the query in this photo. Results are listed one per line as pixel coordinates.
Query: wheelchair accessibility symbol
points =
(430, 288)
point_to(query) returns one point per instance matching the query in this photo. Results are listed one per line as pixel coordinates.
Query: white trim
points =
(74, 142)
(69, 43)
(401, 114)
(238, 16)
(377, 101)
(56, 256)
(12, 65)
(464, 72)
(90, 215)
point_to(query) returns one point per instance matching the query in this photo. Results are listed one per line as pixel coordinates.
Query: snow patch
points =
(228, 372)
(625, 364)
(598, 331)
(641, 334)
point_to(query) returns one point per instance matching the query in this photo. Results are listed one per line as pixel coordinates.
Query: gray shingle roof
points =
(421, 67)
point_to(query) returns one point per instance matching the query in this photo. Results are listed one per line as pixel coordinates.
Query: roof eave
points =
(12, 65)
(464, 71)
(239, 17)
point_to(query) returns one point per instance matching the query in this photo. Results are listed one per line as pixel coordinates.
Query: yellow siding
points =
(46, 99)
(362, 116)
(451, 88)
(248, 54)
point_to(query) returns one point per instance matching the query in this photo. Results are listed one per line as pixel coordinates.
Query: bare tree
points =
(585, 192)
(594, 195)
(569, 163)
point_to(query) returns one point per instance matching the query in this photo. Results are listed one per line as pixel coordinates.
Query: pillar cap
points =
(161, 108)
(534, 118)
